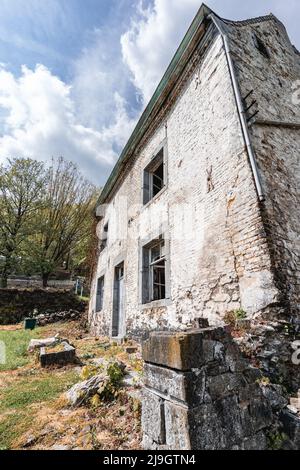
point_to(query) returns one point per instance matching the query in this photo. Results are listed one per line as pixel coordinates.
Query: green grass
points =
(15, 401)
(17, 396)
(16, 344)
(13, 426)
(36, 389)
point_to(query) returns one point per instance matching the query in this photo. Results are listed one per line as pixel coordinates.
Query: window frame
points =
(99, 303)
(158, 159)
(104, 237)
(147, 272)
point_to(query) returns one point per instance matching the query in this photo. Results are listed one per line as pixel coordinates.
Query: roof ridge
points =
(258, 19)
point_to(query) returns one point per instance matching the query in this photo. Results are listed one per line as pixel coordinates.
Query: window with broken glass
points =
(104, 237)
(100, 294)
(154, 272)
(154, 177)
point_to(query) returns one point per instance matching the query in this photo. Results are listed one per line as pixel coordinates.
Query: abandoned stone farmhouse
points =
(200, 215)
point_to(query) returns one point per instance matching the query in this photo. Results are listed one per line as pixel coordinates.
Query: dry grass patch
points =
(33, 410)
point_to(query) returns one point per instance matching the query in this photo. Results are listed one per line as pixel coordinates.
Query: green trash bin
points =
(30, 323)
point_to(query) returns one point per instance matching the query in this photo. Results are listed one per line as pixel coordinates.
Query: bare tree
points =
(64, 219)
(21, 184)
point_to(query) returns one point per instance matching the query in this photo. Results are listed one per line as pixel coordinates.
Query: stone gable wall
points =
(274, 85)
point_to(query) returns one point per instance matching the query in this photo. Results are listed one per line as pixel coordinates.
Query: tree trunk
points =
(5, 272)
(45, 278)
(3, 281)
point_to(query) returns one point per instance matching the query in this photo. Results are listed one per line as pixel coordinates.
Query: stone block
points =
(291, 427)
(233, 358)
(149, 444)
(256, 442)
(188, 387)
(275, 396)
(153, 417)
(229, 412)
(214, 368)
(252, 374)
(131, 350)
(249, 392)
(61, 358)
(177, 426)
(222, 385)
(182, 351)
(205, 427)
(261, 413)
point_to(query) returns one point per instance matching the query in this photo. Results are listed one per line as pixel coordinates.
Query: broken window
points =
(260, 46)
(100, 294)
(154, 177)
(104, 237)
(154, 271)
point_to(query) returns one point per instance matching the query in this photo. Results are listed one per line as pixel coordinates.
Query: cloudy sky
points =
(75, 75)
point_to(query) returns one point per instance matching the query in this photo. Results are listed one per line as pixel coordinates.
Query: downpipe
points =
(240, 108)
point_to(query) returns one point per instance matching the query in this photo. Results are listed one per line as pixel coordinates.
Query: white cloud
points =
(156, 31)
(40, 121)
(153, 38)
(89, 119)
(98, 74)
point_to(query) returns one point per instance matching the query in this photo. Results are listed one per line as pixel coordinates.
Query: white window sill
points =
(156, 304)
(157, 196)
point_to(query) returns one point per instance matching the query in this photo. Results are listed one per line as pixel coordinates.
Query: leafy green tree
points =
(21, 187)
(64, 219)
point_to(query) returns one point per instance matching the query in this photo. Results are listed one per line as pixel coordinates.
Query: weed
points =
(276, 440)
(234, 316)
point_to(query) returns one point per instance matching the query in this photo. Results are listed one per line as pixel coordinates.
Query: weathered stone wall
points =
(269, 345)
(226, 250)
(201, 394)
(16, 304)
(222, 260)
(274, 84)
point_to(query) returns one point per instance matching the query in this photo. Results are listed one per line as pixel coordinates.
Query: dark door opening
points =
(118, 303)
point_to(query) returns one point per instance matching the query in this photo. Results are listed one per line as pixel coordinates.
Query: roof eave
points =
(162, 91)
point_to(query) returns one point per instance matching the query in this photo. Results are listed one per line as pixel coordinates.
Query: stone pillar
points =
(200, 394)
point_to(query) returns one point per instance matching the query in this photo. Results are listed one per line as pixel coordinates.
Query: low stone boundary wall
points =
(48, 318)
(16, 304)
(26, 283)
(201, 394)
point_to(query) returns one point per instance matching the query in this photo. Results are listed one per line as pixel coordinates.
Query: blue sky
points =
(76, 74)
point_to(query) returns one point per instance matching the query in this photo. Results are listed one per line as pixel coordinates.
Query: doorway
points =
(118, 303)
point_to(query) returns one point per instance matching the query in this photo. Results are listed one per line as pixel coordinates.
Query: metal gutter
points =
(240, 107)
(163, 90)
